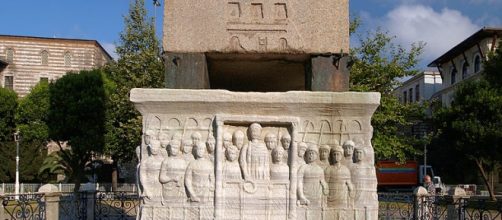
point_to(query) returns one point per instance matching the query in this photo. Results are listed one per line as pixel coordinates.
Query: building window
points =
(45, 57)
(417, 92)
(465, 69)
(9, 55)
(44, 79)
(9, 82)
(477, 63)
(410, 94)
(453, 75)
(67, 59)
(405, 97)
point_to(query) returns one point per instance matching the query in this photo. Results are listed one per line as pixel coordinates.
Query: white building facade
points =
(464, 61)
(419, 88)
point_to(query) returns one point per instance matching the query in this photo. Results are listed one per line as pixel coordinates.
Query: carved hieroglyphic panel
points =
(290, 26)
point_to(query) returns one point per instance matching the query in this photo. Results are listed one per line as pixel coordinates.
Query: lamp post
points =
(16, 187)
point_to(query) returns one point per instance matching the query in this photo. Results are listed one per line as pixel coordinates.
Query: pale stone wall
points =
(27, 67)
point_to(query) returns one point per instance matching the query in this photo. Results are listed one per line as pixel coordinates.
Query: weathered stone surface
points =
(48, 188)
(258, 26)
(272, 173)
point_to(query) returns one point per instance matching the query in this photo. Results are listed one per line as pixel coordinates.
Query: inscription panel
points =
(308, 26)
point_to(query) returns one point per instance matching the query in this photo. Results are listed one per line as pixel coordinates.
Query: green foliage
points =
(8, 105)
(139, 66)
(470, 127)
(31, 120)
(77, 116)
(59, 162)
(378, 65)
(32, 114)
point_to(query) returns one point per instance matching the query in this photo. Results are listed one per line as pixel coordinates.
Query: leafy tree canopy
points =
(471, 125)
(378, 64)
(139, 66)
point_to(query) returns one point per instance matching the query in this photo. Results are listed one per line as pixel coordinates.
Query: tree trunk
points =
(114, 176)
(488, 185)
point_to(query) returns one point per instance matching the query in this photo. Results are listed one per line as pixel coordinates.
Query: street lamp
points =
(16, 139)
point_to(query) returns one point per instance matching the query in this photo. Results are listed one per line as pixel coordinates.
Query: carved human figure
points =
(210, 144)
(238, 139)
(286, 144)
(164, 142)
(324, 156)
(187, 147)
(302, 147)
(255, 158)
(348, 151)
(231, 168)
(363, 178)
(199, 177)
(270, 141)
(339, 181)
(311, 183)
(172, 175)
(150, 169)
(279, 170)
(227, 140)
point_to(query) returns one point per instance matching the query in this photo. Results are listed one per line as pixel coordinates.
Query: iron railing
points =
(116, 205)
(430, 207)
(24, 206)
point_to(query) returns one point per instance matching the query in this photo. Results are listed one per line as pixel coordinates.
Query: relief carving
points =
(172, 178)
(341, 190)
(255, 158)
(331, 181)
(150, 167)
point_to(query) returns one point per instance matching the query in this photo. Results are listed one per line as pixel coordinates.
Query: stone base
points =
(269, 175)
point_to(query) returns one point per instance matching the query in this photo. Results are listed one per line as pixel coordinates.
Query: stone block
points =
(257, 26)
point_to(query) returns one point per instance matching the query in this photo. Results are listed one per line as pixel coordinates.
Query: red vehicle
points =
(395, 176)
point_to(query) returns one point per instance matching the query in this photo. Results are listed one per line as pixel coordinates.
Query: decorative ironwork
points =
(116, 205)
(437, 207)
(396, 205)
(482, 209)
(25, 206)
(73, 206)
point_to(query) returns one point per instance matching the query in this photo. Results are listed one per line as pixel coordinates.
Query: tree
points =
(31, 120)
(77, 117)
(139, 66)
(8, 105)
(471, 125)
(378, 64)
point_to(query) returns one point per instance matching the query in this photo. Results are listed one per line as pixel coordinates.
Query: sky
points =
(441, 24)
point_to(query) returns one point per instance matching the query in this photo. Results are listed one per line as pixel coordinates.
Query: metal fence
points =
(70, 206)
(408, 206)
(9, 188)
(125, 205)
(25, 206)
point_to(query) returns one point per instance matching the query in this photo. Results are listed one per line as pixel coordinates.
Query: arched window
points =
(477, 63)
(67, 58)
(45, 57)
(9, 55)
(453, 75)
(465, 69)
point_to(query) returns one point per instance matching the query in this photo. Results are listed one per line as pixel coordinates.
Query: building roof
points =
(467, 43)
(60, 39)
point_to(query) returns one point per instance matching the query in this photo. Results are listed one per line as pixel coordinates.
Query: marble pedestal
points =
(215, 154)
